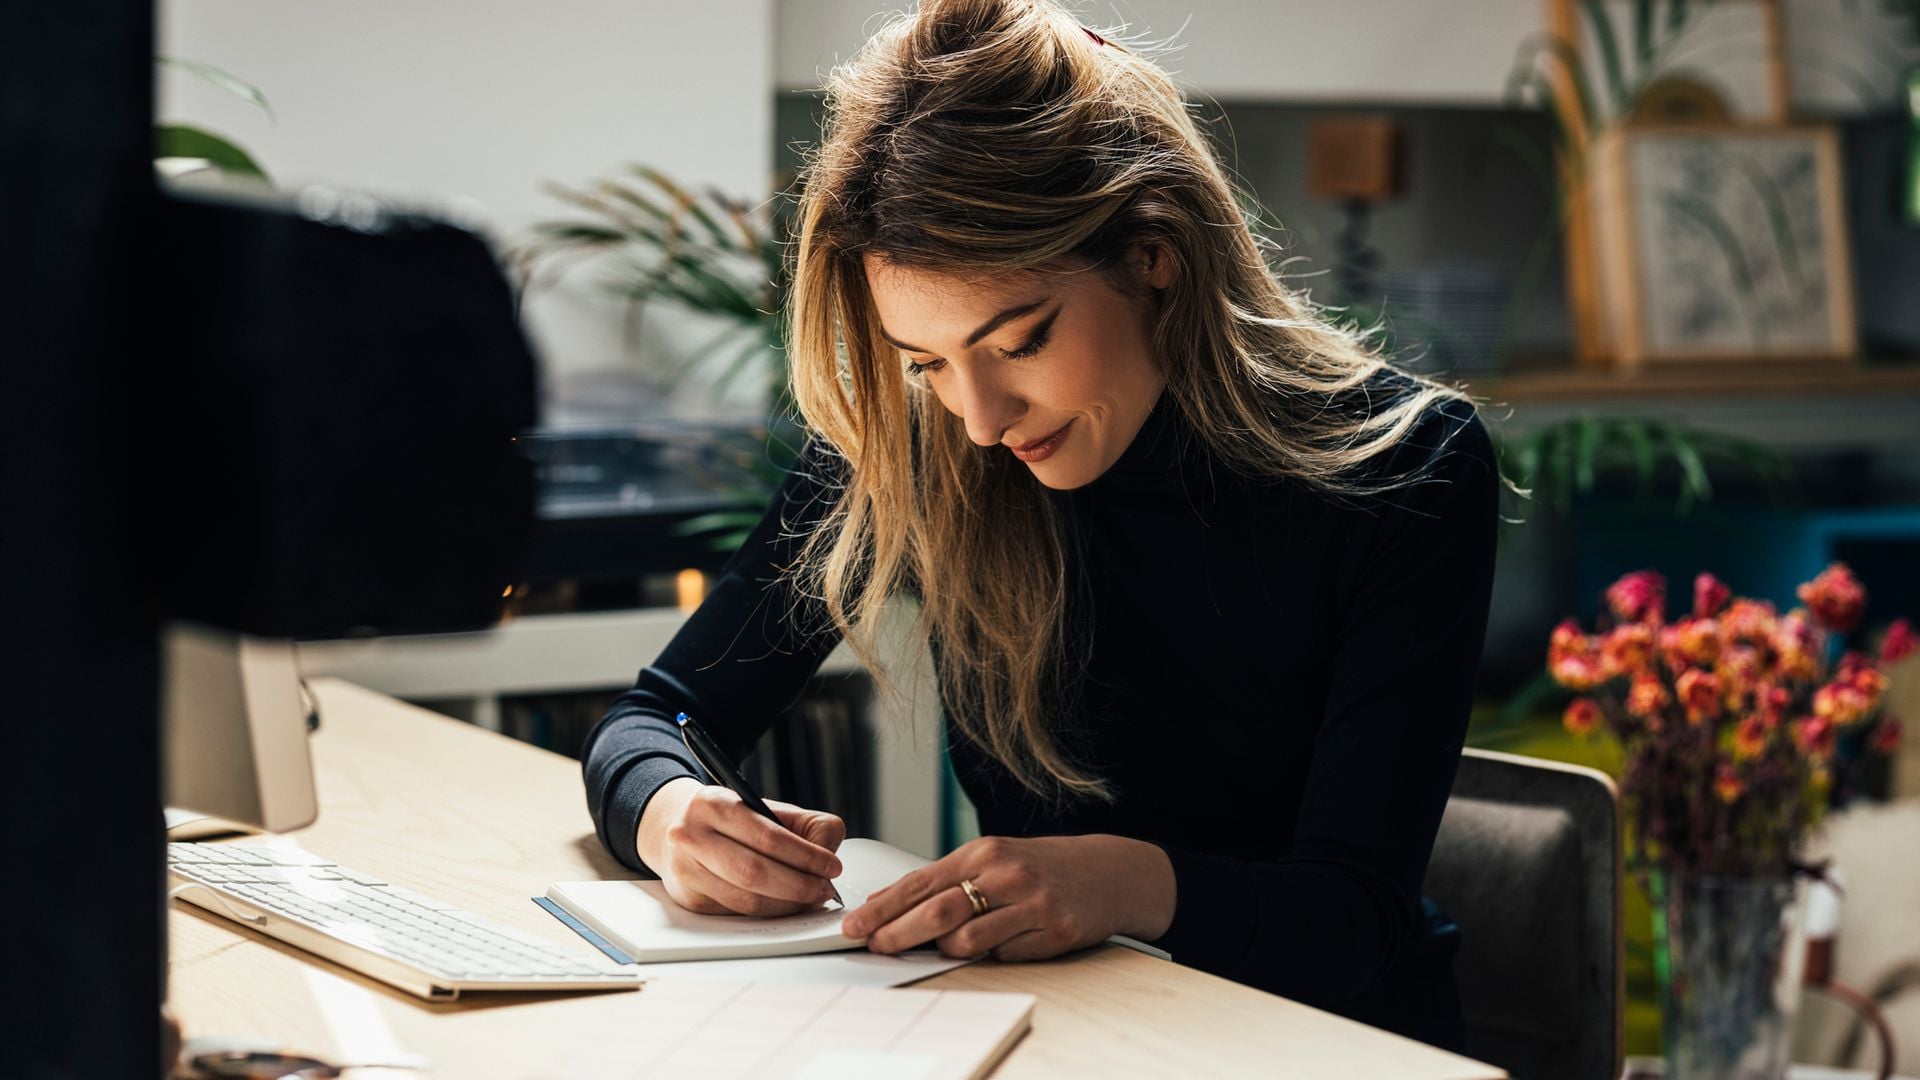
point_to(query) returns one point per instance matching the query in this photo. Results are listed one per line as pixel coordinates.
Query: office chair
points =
(1528, 862)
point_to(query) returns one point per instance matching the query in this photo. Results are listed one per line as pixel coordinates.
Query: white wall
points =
(483, 101)
(1264, 49)
(1431, 51)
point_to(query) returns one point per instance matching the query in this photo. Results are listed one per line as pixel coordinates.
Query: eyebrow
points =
(986, 328)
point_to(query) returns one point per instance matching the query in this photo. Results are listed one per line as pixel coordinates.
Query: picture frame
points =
(1721, 243)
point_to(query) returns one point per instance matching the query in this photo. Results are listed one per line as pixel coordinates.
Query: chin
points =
(1060, 476)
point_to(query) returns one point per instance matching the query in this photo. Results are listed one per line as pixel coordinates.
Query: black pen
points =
(708, 754)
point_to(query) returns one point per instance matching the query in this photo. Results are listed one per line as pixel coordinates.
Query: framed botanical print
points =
(1721, 243)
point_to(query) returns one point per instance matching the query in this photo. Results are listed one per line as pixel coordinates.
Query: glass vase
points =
(1730, 954)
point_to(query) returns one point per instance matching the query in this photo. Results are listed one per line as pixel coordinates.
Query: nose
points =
(987, 408)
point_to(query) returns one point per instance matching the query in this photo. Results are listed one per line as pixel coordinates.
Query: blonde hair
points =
(996, 137)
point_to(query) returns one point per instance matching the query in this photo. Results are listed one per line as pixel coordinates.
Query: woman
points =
(1205, 579)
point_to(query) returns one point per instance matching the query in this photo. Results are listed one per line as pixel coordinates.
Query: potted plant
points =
(1738, 729)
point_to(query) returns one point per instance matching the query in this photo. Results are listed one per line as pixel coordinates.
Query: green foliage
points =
(241, 89)
(654, 239)
(1558, 461)
(182, 141)
(187, 141)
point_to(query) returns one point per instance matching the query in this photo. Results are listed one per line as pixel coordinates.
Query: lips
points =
(1041, 448)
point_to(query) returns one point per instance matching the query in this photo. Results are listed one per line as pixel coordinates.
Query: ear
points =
(1152, 264)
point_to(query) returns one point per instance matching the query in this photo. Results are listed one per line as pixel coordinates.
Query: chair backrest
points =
(1528, 862)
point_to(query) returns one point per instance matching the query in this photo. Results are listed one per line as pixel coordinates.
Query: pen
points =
(708, 754)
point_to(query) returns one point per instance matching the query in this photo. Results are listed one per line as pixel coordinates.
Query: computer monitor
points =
(234, 727)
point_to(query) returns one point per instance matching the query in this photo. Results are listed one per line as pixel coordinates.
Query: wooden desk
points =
(485, 822)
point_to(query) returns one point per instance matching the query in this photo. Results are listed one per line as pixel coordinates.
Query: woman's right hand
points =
(717, 857)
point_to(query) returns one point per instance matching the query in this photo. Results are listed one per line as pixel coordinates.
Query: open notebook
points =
(649, 926)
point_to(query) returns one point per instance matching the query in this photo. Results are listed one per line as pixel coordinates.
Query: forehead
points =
(909, 296)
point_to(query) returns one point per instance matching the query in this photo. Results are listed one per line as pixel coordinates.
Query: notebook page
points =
(642, 919)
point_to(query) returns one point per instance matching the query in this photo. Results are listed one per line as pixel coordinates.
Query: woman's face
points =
(1055, 370)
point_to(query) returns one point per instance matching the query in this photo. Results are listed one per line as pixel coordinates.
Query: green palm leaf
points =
(180, 140)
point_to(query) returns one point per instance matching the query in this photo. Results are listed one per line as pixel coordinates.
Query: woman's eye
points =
(922, 369)
(1030, 348)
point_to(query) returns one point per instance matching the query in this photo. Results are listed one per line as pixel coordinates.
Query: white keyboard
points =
(402, 938)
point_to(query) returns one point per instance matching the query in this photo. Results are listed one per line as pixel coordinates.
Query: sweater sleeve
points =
(1322, 923)
(741, 657)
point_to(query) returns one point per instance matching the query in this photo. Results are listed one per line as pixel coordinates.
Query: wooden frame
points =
(1562, 19)
(1720, 243)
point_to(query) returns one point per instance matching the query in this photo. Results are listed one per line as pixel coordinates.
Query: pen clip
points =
(684, 722)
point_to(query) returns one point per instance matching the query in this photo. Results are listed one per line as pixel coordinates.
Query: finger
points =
(824, 829)
(733, 898)
(913, 888)
(731, 817)
(982, 933)
(753, 871)
(1036, 944)
(939, 914)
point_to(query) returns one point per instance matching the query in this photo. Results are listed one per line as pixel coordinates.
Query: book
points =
(646, 923)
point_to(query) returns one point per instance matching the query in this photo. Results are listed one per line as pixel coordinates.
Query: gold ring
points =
(974, 896)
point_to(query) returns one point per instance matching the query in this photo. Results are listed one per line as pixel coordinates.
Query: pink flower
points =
(1699, 691)
(1854, 692)
(1747, 620)
(1814, 735)
(1710, 594)
(1740, 669)
(1647, 696)
(1750, 737)
(1772, 701)
(1796, 645)
(1691, 641)
(1835, 598)
(1574, 657)
(1900, 642)
(1641, 595)
(1886, 736)
(1582, 716)
(1727, 783)
(1627, 648)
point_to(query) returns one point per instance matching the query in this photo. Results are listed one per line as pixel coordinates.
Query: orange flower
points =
(1747, 620)
(1740, 670)
(1853, 694)
(1835, 598)
(1627, 648)
(1710, 594)
(1690, 641)
(1900, 642)
(1857, 672)
(1641, 595)
(1647, 696)
(1750, 737)
(1574, 658)
(1727, 783)
(1582, 716)
(1814, 735)
(1796, 644)
(1699, 691)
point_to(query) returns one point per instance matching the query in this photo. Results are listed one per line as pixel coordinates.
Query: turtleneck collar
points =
(1156, 450)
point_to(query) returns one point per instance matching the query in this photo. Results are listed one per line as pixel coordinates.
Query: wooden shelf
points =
(1723, 382)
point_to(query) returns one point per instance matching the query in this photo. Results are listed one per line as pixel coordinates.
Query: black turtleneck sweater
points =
(1279, 685)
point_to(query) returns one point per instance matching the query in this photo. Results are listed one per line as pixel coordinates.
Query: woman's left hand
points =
(1046, 895)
